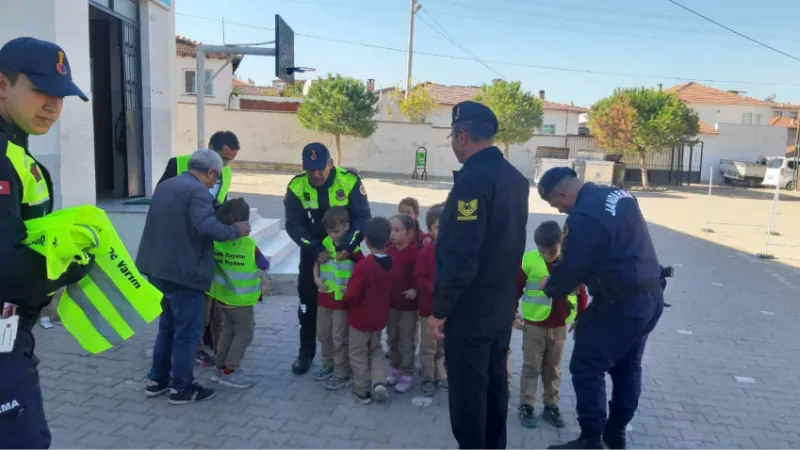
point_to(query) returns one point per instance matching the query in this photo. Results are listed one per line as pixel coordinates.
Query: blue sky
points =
(640, 37)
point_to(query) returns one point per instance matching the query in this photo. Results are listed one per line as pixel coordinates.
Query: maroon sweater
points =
(402, 273)
(560, 307)
(326, 299)
(367, 295)
(424, 274)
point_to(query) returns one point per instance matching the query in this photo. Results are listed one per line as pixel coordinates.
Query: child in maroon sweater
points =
(367, 303)
(410, 206)
(431, 351)
(402, 324)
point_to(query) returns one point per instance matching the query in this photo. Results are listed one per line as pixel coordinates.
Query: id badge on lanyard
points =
(9, 322)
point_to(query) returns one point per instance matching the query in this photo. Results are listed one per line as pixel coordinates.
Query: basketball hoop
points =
(291, 70)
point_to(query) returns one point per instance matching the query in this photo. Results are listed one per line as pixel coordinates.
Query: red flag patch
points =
(5, 188)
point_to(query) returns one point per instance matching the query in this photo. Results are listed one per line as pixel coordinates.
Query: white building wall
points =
(222, 85)
(740, 143)
(712, 114)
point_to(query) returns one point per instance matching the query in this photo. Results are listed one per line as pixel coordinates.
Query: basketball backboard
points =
(284, 51)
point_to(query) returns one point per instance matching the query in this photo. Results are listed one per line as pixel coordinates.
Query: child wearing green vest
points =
(331, 277)
(544, 327)
(236, 287)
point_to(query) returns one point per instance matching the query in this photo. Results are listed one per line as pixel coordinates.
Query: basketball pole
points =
(708, 228)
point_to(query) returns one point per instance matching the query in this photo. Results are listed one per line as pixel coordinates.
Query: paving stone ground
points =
(733, 315)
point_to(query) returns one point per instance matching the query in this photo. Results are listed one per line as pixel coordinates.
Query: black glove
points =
(75, 272)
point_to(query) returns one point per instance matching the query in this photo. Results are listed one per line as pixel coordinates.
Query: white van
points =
(781, 171)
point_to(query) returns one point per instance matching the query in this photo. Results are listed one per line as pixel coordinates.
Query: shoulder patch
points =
(467, 210)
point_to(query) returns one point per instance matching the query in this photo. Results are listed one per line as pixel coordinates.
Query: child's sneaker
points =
(236, 379)
(323, 374)
(195, 393)
(155, 388)
(203, 359)
(394, 374)
(527, 418)
(441, 385)
(216, 375)
(335, 383)
(404, 384)
(380, 393)
(428, 388)
(364, 399)
(552, 415)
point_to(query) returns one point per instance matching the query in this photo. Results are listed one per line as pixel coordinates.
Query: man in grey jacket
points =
(177, 255)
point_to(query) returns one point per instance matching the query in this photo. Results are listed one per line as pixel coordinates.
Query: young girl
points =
(410, 206)
(402, 324)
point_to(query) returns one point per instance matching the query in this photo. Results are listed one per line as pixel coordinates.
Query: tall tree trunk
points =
(505, 149)
(643, 168)
(338, 151)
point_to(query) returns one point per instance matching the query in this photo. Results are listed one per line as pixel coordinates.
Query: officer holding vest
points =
(35, 76)
(308, 196)
(606, 246)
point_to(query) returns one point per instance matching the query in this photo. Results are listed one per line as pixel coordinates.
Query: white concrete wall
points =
(712, 114)
(222, 85)
(741, 143)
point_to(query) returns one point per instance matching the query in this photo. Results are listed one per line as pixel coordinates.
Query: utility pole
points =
(414, 8)
(796, 149)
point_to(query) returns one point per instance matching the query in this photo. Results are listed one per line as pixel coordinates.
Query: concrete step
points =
(283, 276)
(262, 229)
(276, 247)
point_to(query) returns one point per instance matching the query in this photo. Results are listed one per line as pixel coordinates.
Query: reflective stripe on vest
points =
(35, 195)
(338, 193)
(236, 281)
(536, 306)
(333, 273)
(224, 178)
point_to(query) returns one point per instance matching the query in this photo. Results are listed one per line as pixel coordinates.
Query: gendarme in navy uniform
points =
(478, 253)
(606, 246)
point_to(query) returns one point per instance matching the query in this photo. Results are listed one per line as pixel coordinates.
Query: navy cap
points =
(44, 63)
(551, 178)
(315, 156)
(474, 112)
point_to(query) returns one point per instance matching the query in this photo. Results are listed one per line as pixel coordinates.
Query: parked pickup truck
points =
(751, 174)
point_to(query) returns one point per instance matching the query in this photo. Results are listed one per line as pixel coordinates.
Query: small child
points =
(237, 266)
(367, 303)
(331, 278)
(545, 327)
(402, 324)
(410, 206)
(431, 352)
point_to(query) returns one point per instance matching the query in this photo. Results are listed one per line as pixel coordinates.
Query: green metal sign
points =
(420, 164)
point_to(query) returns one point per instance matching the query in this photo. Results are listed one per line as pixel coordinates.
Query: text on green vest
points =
(237, 281)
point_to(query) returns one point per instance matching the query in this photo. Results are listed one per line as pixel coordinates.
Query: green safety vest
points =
(333, 273)
(113, 300)
(237, 281)
(338, 194)
(35, 194)
(224, 177)
(536, 306)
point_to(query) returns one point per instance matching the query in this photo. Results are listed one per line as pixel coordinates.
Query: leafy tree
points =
(417, 106)
(340, 106)
(639, 121)
(518, 112)
(292, 90)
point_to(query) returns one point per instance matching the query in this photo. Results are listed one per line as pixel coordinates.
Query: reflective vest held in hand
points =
(237, 281)
(333, 273)
(224, 178)
(113, 300)
(536, 306)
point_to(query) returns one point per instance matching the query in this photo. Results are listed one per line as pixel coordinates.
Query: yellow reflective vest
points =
(113, 300)
(237, 280)
(35, 194)
(536, 306)
(224, 178)
(338, 193)
(334, 273)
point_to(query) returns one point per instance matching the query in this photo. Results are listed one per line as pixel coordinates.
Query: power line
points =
(532, 66)
(734, 31)
(455, 42)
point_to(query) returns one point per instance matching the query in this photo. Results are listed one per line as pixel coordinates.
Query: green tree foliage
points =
(416, 107)
(340, 106)
(639, 121)
(518, 112)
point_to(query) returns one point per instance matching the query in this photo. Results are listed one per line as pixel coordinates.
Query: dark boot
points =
(614, 437)
(301, 364)
(580, 443)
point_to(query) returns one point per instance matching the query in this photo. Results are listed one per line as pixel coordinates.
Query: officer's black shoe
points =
(580, 444)
(301, 365)
(614, 438)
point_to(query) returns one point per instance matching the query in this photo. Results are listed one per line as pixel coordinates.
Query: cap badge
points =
(313, 156)
(61, 67)
(458, 112)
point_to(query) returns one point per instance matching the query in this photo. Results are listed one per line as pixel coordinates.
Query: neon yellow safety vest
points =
(333, 273)
(237, 281)
(113, 300)
(35, 194)
(224, 177)
(338, 193)
(535, 305)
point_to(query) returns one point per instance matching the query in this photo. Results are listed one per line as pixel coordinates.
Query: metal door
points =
(132, 88)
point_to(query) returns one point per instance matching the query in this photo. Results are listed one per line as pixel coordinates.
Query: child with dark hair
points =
(544, 326)
(410, 206)
(235, 289)
(367, 303)
(431, 351)
(331, 278)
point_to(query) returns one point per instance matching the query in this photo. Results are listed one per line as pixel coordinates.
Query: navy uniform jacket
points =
(480, 245)
(607, 246)
(305, 226)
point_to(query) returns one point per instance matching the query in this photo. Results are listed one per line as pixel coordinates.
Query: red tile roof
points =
(783, 122)
(188, 48)
(239, 83)
(267, 91)
(696, 93)
(707, 129)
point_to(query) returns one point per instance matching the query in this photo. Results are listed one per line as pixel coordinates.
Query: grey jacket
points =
(179, 233)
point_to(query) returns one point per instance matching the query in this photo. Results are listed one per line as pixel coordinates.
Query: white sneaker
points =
(215, 377)
(236, 379)
(46, 323)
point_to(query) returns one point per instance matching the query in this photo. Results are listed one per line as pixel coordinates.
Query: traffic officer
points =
(308, 196)
(607, 247)
(478, 253)
(35, 76)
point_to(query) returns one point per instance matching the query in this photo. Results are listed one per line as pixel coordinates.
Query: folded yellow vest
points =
(113, 300)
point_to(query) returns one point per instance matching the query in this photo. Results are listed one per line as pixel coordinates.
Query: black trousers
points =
(22, 420)
(307, 310)
(478, 389)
